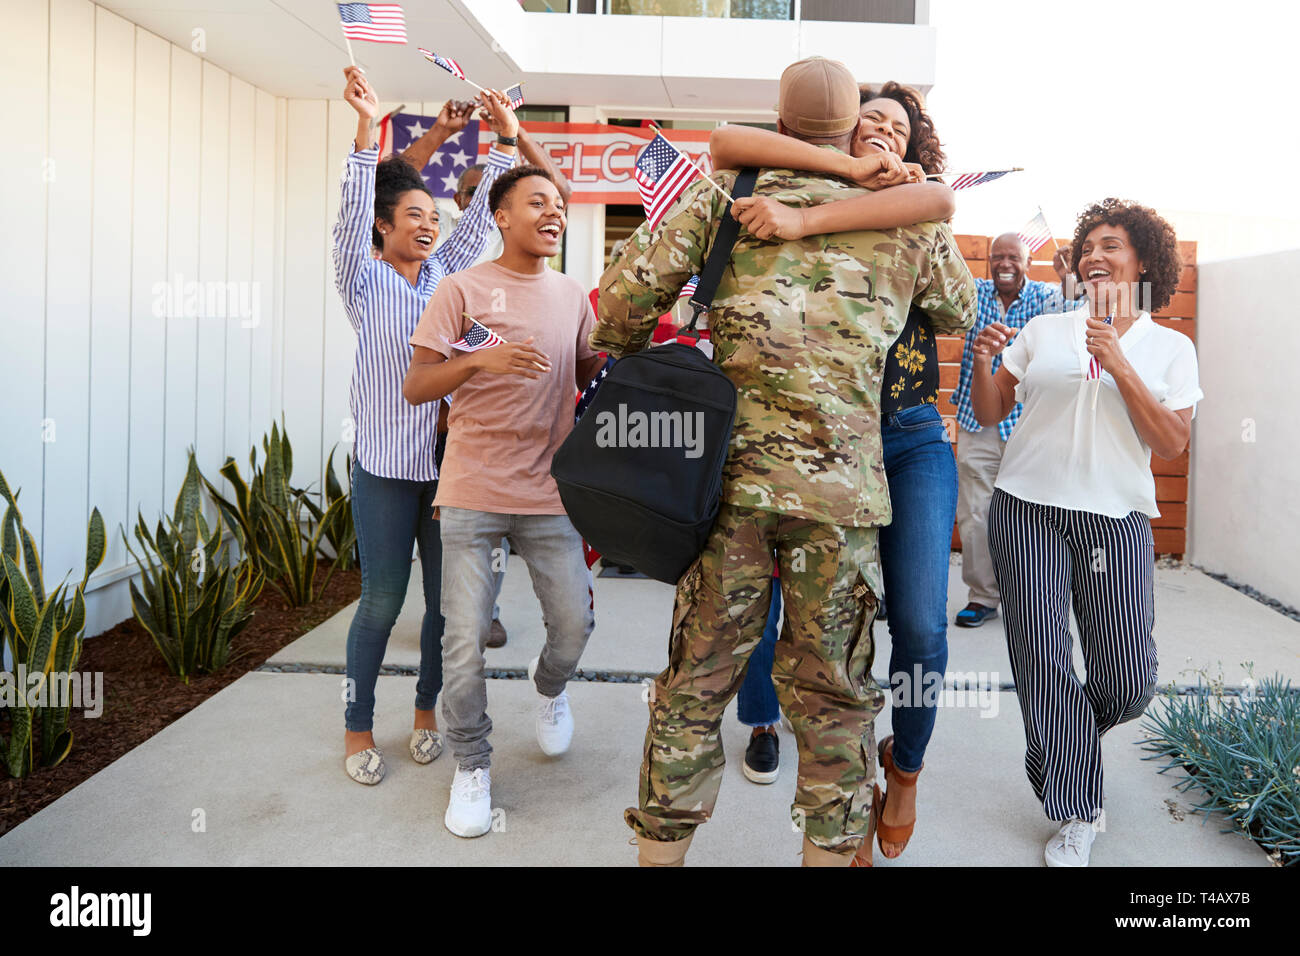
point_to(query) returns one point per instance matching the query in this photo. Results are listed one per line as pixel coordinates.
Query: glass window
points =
(740, 9)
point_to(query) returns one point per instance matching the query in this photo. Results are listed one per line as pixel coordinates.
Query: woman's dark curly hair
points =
(923, 145)
(393, 177)
(1153, 239)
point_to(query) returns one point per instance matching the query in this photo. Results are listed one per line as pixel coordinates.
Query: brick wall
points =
(1170, 529)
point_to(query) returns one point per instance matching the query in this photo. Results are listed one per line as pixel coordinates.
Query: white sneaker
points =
(554, 720)
(469, 814)
(1071, 844)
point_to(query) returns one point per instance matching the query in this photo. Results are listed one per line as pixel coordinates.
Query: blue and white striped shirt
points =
(1036, 298)
(395, 439)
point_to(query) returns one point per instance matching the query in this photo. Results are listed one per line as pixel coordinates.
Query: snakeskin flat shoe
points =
(425, 745)
(366, 766)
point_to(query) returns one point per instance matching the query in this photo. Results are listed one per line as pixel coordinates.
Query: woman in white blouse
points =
(1103, 388)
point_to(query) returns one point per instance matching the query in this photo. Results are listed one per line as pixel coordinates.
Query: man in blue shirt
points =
(1013, 299)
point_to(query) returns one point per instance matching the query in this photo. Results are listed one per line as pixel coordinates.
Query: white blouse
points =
(1071, 450)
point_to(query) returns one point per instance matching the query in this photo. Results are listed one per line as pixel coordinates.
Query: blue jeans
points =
(756, 703)
(914, 550)
(391, 515)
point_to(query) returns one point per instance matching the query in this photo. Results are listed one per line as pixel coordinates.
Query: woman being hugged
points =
(895, 147)
(1103, 388)
(387, 208)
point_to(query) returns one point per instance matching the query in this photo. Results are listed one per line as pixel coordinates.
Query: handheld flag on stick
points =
(1035, 234)
(516, 96)
(662, 172)
(478, 337)
(451, 66)
(966, 180)
(1094, 368)
(374, 22)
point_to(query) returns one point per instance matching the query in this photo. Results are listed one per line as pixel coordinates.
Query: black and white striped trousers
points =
(1045, 558)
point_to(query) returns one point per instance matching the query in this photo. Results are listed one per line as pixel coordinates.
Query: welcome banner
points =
(598, 159)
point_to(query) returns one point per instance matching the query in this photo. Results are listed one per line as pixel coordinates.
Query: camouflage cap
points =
(818, 97)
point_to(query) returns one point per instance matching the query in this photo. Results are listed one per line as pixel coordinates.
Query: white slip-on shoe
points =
(366, 766)
(469, 812)
(425, 745)
(1071, 844)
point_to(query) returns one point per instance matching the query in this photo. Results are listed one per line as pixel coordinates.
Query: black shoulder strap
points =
(720, 254)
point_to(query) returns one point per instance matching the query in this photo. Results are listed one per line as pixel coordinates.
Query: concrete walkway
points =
(254, 775)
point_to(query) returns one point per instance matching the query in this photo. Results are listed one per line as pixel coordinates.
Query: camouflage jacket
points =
(803, 329)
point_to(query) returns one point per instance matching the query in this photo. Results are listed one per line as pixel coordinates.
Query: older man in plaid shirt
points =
(1011, 298)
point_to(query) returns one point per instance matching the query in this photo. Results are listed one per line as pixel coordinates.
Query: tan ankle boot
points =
(813, 855)
(662, 853)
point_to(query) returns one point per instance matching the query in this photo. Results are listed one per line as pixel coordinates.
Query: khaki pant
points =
(979, 455)
(822, 673)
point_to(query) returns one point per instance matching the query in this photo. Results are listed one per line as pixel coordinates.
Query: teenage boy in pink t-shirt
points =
(509, 337)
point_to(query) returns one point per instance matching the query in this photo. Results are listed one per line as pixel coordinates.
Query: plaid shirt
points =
(1036, 298)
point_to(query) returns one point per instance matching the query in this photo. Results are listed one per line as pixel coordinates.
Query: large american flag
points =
(478, 337)
(661, 174)
(590, 391)
(456, 155)
(447, 63)
(1035, 233)
(966, 180)
(376, 22)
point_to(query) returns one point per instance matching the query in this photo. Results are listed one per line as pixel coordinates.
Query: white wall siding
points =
(109, 418)
(69, 204)
(24, 51)
(1245, 518)
(144, 166)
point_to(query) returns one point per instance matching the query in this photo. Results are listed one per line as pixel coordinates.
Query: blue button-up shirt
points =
(394, 439)
(1035, 298)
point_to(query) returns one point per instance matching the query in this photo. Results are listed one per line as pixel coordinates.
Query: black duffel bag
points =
(641, 473)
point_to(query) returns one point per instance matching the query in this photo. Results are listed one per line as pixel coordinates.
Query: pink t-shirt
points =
(504, 429)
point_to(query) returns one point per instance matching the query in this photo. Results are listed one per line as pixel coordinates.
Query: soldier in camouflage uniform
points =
(802, 328)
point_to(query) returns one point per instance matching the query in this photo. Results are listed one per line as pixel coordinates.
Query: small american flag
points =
(1035, 233)
(376, 22)
(1094, 366)
(478, 337)
(688, 290)
(448, 64)
(516, 96)
(661, 174)
(966, 180)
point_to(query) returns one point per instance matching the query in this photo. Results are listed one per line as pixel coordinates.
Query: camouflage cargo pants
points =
(822, 672)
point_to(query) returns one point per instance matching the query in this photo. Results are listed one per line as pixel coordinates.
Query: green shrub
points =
(339, 532)
(266, 489)
(280, 528)
(191, 599)
(43, 633)
(1243, 752)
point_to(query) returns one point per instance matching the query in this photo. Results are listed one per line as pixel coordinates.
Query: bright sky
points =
(1190, 107)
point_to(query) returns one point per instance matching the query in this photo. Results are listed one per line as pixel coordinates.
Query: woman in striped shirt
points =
(386, 207)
